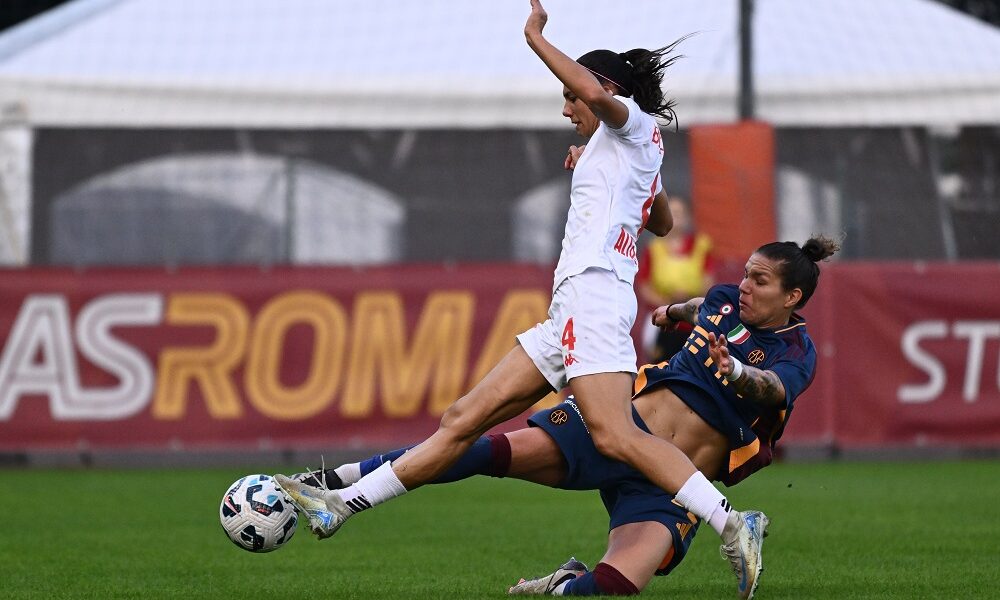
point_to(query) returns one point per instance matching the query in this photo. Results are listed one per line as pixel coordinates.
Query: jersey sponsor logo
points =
(756, 356)
(715, 320)
(572, 404)
(558, 417)
(738, 334)
(625, 245)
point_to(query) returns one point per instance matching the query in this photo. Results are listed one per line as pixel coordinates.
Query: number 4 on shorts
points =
(568, 339)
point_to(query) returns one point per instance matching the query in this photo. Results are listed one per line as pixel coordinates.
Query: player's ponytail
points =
(648, 69)
(638, 74)
(797, 265)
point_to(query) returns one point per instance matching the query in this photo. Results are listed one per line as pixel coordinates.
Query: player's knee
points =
(460, 424)
(610, 443)
(616, 441)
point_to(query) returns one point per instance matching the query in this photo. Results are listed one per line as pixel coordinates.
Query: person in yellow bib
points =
(672, 269)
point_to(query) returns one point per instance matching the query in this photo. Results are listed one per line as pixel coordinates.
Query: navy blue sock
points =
(604, 580)
(489, 455)
(370, 464)
(584, 585)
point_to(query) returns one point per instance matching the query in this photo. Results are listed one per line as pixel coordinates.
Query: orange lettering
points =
(209, 366)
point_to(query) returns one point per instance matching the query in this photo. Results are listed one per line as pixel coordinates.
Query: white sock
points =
(699, 496)
(372, 489)
(559, 589)
(349, 473)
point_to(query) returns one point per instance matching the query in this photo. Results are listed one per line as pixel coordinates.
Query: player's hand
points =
(661, 320)
(572, 156)
(537, 19)
(718, 349)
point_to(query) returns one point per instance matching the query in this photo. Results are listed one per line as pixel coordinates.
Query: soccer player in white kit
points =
(585, 343)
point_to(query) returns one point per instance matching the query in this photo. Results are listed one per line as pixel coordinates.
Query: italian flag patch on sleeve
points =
(738, 335)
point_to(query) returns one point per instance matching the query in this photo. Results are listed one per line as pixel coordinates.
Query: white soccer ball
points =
(256, 516)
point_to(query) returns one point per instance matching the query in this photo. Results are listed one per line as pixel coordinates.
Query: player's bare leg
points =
(506, 391)
(604, 400)
(530, 455)
(636, 550)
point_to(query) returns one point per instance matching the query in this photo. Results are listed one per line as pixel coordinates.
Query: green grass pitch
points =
(839, 530)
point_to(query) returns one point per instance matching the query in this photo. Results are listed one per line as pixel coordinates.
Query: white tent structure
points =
(449, 63)
(320, 215)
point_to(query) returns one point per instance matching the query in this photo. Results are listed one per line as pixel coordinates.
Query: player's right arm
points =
(581, 83)
(762, 387)
(669, 316)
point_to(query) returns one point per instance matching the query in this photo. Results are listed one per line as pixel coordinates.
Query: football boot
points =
(571, 569)
(325, 510)
(743, 539)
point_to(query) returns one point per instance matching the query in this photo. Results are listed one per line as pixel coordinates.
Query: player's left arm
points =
(764, 388)
(581, 82)
(660, 221)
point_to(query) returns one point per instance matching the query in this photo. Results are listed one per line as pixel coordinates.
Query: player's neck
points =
(778, 321)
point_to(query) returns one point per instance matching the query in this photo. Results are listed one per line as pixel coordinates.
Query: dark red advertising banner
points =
(243, 357)
(910, 354)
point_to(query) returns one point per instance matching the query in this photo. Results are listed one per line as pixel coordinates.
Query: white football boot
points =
(319, 479)
(742, 548)
(571, 569)
(325, 509)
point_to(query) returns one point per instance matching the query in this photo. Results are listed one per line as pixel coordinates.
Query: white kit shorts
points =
(588, 329)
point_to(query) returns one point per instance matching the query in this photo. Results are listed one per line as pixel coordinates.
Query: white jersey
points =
(614, 183)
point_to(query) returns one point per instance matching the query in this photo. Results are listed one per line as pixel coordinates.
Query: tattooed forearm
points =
(761, 387)
(689, 310)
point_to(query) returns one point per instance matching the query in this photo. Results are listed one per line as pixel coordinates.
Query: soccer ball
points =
(256, 516)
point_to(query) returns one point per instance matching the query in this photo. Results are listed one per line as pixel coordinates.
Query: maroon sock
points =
(500, 451)
(612, 582)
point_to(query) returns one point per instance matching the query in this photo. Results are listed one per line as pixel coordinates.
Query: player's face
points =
(763, 300)
(579, 114)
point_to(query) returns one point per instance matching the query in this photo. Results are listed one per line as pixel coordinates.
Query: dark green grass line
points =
(839, 530)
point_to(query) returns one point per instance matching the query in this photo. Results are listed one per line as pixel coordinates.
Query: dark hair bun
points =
(819, 247)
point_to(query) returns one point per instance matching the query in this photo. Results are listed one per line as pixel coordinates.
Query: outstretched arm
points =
(761, 387)
(669, 316)
(581, 82)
